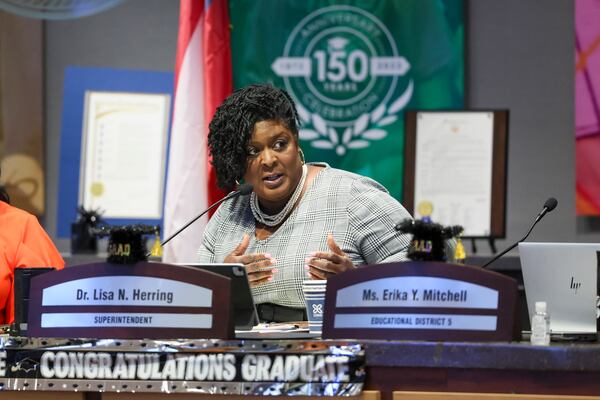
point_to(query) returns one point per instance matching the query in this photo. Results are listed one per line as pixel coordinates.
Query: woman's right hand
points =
(259, 266)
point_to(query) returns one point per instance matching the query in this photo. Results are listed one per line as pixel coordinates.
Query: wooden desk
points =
(399, 368)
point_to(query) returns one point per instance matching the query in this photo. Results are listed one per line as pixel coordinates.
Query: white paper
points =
(453, 169)
(280, 327)
(123, 154)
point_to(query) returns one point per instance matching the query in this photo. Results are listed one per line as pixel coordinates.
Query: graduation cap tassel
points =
(156, 250)
(459, 253)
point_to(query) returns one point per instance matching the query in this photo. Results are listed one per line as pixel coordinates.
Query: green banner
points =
(353, 67)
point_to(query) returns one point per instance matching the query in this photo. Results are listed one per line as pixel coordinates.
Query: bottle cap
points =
(540, 307)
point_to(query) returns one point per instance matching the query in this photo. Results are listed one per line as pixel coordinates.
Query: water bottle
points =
(540, 325)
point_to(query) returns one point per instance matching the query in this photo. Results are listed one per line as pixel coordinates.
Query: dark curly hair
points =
(233, 123)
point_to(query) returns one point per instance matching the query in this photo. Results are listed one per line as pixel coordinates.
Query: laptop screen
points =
(565, 276)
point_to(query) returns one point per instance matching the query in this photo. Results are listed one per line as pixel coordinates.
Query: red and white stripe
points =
(203, 79)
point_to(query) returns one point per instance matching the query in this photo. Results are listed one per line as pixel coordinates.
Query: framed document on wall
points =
(114, 141)
(123, 153)
(455, 169)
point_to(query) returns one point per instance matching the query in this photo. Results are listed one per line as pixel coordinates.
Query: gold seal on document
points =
(97, 189)
(425, 208)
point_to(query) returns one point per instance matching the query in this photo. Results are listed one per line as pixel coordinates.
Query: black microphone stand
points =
(537, 219)
(197, 217)
(243, 190)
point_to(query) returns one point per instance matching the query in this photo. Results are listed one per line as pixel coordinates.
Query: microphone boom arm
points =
(537, 219)
(243, 190)
(197, 217)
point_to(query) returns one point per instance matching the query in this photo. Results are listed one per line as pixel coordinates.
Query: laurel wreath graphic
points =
(366, 128)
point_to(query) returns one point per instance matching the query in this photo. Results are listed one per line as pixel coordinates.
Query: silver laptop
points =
(565, 276)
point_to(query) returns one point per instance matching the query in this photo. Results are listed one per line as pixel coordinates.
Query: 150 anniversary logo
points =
(353, 68)
(342, 67)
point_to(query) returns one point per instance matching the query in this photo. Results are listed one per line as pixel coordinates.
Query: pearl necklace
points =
(276, 219)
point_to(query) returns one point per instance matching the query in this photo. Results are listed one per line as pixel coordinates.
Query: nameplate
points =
(420, 300)
(144, 300)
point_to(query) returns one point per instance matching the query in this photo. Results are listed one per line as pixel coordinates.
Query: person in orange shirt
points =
(23, 243)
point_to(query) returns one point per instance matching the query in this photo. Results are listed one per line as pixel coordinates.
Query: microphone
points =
(549, 205)
(243, 190)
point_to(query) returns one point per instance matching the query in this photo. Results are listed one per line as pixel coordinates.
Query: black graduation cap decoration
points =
(428, 239)
(126, 244)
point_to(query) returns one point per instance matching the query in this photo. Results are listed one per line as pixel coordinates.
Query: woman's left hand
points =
(323, 264)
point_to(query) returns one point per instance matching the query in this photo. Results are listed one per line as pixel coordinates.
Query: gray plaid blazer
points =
(357, 210)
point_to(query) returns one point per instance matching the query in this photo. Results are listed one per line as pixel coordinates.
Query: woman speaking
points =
(303, 220)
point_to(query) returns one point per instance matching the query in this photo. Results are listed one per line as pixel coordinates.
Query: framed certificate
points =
(455, 169)
(123, 153)
(113, 145)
